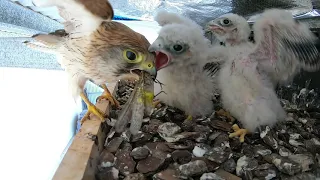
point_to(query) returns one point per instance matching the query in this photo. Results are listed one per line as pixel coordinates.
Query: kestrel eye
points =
(177, 47)
(131, 55)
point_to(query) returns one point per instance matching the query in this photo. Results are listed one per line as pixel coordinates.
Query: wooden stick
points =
(80, 161)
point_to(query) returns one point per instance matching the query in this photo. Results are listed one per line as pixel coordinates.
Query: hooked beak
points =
(147, 66)
(162, 57)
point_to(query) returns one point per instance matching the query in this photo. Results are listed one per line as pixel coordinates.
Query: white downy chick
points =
(234, 31)
(182, 52)
(230, 29)
(245, 82)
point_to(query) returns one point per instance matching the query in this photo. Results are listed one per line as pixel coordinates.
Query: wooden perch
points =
(80, 161)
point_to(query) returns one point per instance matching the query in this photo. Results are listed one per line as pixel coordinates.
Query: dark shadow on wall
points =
(251, 7)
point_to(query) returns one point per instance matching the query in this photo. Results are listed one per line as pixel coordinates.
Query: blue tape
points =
(116, 17)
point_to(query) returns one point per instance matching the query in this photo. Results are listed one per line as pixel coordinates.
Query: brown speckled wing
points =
(83, 13)
(100, 8)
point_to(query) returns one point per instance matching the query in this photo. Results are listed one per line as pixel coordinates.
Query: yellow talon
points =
(238, 132)
(189, 118)
(91, 109)
(107, 95)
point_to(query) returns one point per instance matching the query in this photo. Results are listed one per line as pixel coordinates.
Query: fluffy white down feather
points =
(248, 93)
(247, 77)
(237, 31)
(230, 29)
(187, 86)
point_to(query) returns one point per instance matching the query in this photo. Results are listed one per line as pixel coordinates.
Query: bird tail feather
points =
(40, 48)
(46, 3)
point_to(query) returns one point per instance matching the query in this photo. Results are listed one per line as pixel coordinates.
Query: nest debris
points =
(169, 147)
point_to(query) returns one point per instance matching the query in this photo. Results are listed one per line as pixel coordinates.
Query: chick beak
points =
(162, 57)
(215, 27)
(156, 45)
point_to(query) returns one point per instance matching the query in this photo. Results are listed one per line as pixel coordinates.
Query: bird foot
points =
(238, 132)
(92, 109)
(110, 98)
(226, 114)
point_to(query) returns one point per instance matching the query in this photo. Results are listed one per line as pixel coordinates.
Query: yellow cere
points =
(147, 65)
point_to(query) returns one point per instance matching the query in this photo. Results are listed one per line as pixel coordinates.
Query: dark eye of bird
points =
(131, 55)
(226, 21)
(177, 47)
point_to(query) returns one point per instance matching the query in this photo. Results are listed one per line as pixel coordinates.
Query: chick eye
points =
(177, 48)
(225, 22)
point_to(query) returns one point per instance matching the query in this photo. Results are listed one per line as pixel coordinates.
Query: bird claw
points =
(238, 132)
(110, 98)
(107, 95)
(92, 109)
(226, 114)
